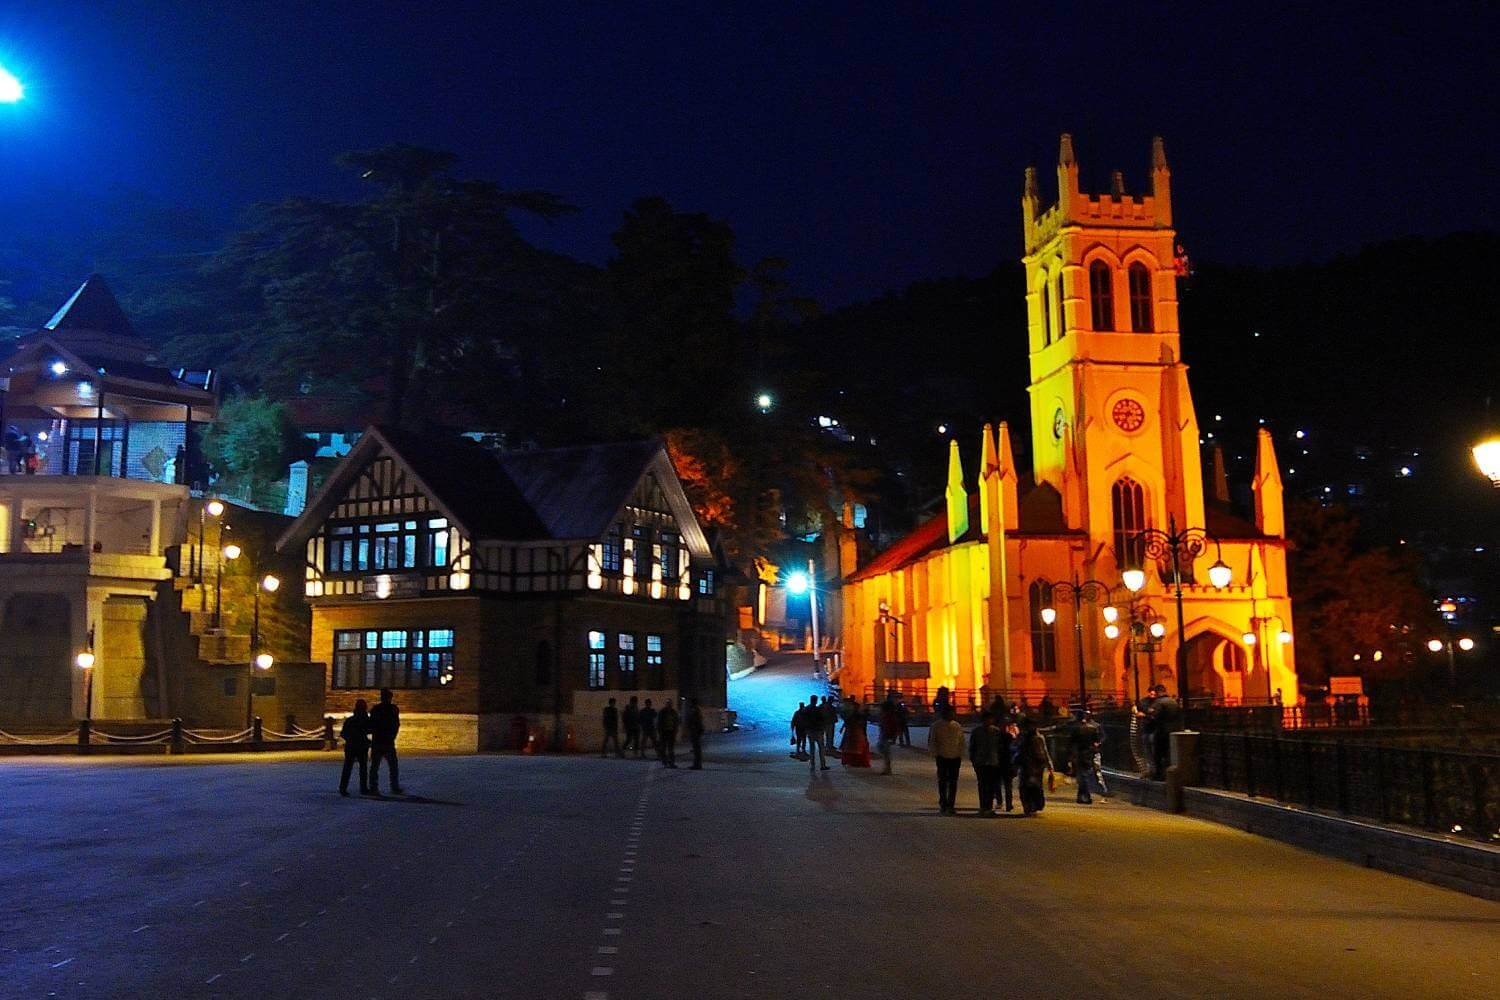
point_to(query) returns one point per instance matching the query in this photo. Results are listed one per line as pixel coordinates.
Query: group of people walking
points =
(643, 724)
(1008, 750)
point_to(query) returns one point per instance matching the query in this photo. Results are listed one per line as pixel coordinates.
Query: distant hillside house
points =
(486, 589)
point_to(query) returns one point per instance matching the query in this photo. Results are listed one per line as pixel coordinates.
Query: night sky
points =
(870, 144)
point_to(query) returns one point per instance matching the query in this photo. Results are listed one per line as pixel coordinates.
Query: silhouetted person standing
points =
(385, 723)
(648, 731)
(611, 730)
(817, 753)
(985, 745)
(694, 725)
(666, 729)
(356, 737)
(632, 726)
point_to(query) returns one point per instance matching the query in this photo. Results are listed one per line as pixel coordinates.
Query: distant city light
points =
(797, 583)
(764, 401)
(1301, 435)
(11, 90)
(942, 428)
(59, 367)
(1405, 470)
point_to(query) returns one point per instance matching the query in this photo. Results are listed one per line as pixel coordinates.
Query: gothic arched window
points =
(1128, 501)
(1140, 298)
(1058, 311)
(1102, 295)
(1043, 636)
(1046, 297)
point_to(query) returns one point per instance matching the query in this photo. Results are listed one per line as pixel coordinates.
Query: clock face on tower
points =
(1059, 423)
(1128, 415)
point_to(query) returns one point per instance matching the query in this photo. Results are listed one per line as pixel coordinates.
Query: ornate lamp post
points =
(1438, 645)
(1181, 546)
(259, 658)
(1146, 631)
(1091, 591)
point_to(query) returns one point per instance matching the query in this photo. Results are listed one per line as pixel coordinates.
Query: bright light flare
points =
(1158, 630)
(798, 583)
(1436, 645)
(85, 659)
(1134, 580)
(264, 661)
(11, 90)
(1487, 457)
(1466, 644)
(1049, 615)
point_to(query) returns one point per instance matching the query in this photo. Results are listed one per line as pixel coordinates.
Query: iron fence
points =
(1441, 790)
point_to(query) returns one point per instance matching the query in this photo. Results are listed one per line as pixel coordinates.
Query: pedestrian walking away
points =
(946, 741)
(631, 718)
(985, 747)
(830, 723)
(904, 715)
(1164, 719)
(799, 730)
(648, 731)
(694, 726)
(1010, 736)
(385, 723)
(611, 730)
(666, 734)
(356, 737)
(816, 754)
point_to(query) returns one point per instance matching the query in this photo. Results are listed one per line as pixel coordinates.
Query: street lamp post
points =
(1146, 631)
(1184, 545)
(85, 661)
(231, 552)
(1092, 591)
(1464, 644)
(259, 658)
(213, 508)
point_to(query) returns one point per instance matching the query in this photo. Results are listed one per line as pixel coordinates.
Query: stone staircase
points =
(196, 601)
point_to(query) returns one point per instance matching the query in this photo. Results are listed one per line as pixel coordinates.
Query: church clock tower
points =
(1112, 422)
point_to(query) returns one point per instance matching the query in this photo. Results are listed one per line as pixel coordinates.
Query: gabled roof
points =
(559, 494)
(577, 492)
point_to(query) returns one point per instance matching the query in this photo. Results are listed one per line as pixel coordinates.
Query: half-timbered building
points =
(491, 589)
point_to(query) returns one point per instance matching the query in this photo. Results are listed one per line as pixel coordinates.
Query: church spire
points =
(1161, 183)
(957, 498)
(1067, 176)
(1270, 516)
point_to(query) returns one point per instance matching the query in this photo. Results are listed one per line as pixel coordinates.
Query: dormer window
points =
(1101, 295)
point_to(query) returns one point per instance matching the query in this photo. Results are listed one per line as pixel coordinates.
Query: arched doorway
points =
(1216, 667)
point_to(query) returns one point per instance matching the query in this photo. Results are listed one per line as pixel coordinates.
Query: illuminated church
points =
(1117, 467)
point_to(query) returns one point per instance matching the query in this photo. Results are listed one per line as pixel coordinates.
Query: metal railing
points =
(1445, 791)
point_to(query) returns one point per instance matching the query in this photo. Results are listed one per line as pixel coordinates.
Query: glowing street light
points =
(1464, 644)
(11, 90)
(1487, 457)
(797, 583)
(85, 661)
(230, 552)
(764, 402)
(1134, 580)
(1049, 615)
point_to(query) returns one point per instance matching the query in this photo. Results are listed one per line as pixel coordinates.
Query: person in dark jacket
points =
(1164, 719)
(1084, 739)
(648, 731)
(984, 754)
(666, 729)
(1010, 734)
(830, 723)
(693, 723)
(611, 722)
(385, 723)
(1034, 762)
(632, 721)
(356, 737)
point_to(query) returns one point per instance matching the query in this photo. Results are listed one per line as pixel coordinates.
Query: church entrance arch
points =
(1215, 667)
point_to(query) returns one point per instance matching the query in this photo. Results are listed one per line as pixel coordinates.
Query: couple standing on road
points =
(369, 737)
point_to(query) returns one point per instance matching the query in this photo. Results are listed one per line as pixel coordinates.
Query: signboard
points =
(1346, 685)
(896, 670)
(387, 585)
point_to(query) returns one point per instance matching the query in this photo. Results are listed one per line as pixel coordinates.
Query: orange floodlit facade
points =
(1116, 454)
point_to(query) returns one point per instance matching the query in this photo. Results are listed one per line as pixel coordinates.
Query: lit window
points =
(1140, 298)
(613, 550)
(1128, 501)
(706, 583)
(655, 663)
(1046, 297)
(627, 659)
(1102, 295)
(596, 659)
(393, 658)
